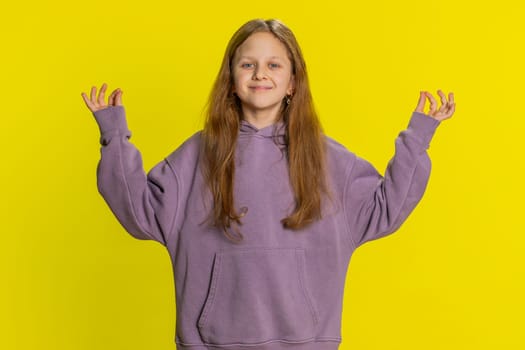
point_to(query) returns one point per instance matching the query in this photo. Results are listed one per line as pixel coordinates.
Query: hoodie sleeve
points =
(376, 206)
(145, 205)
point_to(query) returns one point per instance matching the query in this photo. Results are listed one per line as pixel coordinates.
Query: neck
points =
(261, 118)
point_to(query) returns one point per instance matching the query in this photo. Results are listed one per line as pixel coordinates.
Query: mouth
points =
(260, 88)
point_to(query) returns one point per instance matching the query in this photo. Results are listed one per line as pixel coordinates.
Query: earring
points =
(288, 100)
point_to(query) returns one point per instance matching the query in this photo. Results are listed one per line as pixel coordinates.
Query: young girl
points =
(260, 211)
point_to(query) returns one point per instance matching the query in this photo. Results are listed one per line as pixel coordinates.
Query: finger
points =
(101, 94)
(119, 98)
(421, 103)
(451, 103)
(444, 104)
(452, 109)
(111, 99)
(87, 101)
(433, 103)
(442, 97)
(93, 94)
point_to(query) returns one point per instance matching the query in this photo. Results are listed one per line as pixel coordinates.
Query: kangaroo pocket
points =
(257, 295)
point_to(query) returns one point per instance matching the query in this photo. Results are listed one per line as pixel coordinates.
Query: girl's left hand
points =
(444, 112)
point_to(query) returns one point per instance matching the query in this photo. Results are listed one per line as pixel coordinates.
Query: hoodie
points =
(278, 288)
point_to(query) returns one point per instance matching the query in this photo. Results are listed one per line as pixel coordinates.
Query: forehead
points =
(262, 44)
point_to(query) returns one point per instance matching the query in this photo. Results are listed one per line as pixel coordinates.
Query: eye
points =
(274, 65)
(246, 65)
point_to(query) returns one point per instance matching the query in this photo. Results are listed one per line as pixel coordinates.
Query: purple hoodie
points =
(278, 289)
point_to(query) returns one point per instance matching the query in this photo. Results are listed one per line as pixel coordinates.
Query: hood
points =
(246, 128)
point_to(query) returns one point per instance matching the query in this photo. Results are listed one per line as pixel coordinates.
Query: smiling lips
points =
(260, 87)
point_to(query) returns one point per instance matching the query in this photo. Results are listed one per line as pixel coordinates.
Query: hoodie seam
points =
(392, 226)
(128, 191)
(409, 187)
(179, 192)
(279, 340)
(351, 165)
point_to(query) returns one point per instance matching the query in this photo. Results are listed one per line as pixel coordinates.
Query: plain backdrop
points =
(450, 278)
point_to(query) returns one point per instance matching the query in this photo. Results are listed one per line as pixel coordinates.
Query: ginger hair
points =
(304, 139)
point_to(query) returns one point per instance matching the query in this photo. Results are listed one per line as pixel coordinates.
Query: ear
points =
(291, 86)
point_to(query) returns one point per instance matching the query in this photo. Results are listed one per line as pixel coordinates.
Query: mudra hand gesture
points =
(95, 104)
(444, 112)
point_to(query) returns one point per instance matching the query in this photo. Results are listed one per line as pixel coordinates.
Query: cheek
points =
(236, 81)
(286, 80)
(239, 78)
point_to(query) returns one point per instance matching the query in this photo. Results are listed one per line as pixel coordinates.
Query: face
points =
(262, 73)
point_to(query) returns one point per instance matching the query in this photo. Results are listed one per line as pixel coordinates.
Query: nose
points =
(259, 72)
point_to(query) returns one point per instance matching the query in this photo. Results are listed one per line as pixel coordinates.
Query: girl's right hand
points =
(95, 104)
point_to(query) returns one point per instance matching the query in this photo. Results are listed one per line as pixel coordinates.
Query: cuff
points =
(111, 121)
(423, 127)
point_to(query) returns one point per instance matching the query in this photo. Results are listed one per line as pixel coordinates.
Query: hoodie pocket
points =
(256, 295)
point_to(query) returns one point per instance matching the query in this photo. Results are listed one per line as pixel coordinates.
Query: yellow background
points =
(450, 278)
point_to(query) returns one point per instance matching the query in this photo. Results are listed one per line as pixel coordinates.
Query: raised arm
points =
(377, 206)
(145, 205)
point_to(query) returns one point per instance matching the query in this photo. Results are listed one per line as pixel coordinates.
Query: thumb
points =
(421, 103)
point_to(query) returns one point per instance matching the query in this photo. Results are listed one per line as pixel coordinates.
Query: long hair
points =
(305, 146)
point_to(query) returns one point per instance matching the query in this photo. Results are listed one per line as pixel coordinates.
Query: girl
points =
(260, 211)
